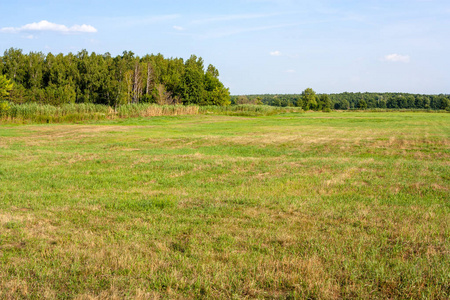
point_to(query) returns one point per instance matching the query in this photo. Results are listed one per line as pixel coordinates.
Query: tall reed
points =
(38, 113)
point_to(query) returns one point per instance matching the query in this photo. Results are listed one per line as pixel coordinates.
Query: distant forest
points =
(103, 79)
(309, 100)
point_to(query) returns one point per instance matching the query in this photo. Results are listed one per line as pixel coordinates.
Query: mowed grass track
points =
(315, 205)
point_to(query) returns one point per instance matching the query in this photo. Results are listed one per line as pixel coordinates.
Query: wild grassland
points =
(318, 206)
(82, 112)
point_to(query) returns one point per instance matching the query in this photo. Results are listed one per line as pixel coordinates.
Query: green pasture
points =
(290, 206)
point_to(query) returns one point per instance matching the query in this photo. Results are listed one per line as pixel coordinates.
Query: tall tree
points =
(324, 102)
(309, 99)
(193, 90)
(137, 82)
(149, 82)
(14, 65)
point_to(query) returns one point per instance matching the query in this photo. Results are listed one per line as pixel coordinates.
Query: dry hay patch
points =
(42, 134)
(341, 177)
(117, 294)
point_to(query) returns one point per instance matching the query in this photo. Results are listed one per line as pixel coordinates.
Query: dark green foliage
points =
(324, 102)
(389, 100)
(309, 99)
(103, 79)
(362, 104)
(346, 101)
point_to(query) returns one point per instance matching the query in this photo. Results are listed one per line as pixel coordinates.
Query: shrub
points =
(4, 108)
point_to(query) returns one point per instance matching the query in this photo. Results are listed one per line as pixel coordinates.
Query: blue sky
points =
(259, 46)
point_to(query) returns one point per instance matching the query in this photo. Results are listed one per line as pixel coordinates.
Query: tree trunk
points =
(149, 78)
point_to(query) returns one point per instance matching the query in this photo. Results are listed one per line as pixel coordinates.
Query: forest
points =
(104, 79)
(344, 101)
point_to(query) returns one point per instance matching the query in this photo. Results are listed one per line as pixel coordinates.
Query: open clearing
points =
(315, 205)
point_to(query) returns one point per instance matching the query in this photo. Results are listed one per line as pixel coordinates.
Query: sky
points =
(258, 46)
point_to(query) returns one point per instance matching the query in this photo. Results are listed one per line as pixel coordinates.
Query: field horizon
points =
(287, 206)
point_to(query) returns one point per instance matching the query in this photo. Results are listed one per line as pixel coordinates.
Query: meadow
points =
(287, 206)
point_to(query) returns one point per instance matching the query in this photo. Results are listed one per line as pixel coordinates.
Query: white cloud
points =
(275, 53)
(49, 26)
(397, 58)
(179, 28)
(290, 71)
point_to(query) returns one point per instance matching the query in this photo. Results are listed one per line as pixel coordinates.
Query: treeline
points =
(104, 79)
(350, 101)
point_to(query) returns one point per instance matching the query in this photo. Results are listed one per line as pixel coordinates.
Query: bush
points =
(4, 108)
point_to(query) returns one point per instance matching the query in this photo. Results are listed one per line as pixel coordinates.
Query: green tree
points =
(215, 92)
(410, 101)
(193, 90)
(14, 65)
(309, 99)
(213, 71)
(102, 79)
(5, 87)
(362, 104)
(345, 104)
(445, 103)
(34, 70)
(324, 102)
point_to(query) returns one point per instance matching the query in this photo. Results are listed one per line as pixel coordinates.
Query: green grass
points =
(247, 110)
(313, 205)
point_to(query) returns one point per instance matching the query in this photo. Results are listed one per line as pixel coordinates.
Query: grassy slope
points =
(352, 205)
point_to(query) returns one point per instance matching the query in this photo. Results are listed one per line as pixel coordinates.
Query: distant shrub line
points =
(349, 101)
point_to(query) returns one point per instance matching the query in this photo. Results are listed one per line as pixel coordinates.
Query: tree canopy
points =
(102, 79)
(344, 101)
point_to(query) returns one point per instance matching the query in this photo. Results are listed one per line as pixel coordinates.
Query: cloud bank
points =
(49, 26)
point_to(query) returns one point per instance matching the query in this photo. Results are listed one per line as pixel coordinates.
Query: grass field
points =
(312, 205)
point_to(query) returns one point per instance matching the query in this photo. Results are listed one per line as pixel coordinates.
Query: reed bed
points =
(39, 113)
(154, 110)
